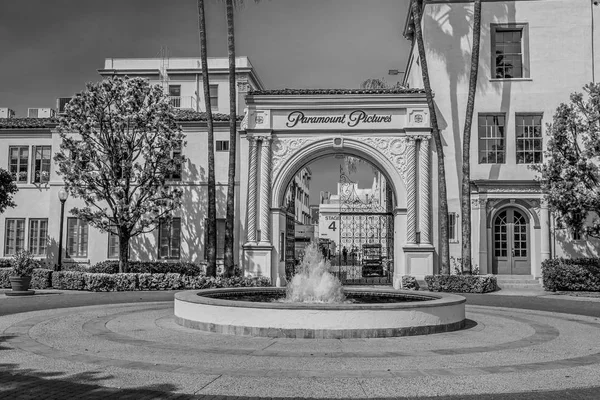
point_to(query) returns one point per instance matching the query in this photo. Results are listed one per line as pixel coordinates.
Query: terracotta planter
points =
(20, 283)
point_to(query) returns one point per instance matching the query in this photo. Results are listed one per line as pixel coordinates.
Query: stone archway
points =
(398, 144)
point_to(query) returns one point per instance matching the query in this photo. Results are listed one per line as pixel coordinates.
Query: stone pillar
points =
(251, 202)
(265, 190)
(545, 236)
(424, 191)
(411, 188)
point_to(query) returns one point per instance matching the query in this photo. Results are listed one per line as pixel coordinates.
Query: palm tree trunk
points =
(416, 7)
(211, 245)
(467, 267)
(230, 213)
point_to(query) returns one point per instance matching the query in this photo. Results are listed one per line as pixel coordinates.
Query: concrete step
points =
(523, 286)
(513, 277)
(518, 281)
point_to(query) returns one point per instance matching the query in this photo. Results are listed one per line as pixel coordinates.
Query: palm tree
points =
(229, 262)
(230, 212)
(416, 7)
(211, 245)
(466, 153)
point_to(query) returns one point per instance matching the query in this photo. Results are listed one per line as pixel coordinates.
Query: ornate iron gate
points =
(290, 237)
(366, 249)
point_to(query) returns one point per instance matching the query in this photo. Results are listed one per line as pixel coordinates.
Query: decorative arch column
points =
(258, 248)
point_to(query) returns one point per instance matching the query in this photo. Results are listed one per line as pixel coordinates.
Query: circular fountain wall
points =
(221, 311)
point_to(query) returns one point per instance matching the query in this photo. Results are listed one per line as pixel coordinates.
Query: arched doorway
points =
(512, 243)
(351, 219)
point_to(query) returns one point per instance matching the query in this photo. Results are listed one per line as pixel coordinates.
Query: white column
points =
(265, 190)
(545, 236)
(411, 188)
(424, 191)
(251, 201)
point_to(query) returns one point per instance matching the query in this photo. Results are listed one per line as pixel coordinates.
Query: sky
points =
(50, 49)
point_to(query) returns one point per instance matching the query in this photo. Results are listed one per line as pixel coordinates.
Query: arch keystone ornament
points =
(293, 128)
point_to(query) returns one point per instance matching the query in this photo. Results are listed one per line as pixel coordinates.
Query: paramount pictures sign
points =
(356, 119)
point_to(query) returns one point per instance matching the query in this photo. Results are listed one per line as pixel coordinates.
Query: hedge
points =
(148, 267)
(410, 283)
(579, 274)
(40, 279)
(462, 283)
(100, 282)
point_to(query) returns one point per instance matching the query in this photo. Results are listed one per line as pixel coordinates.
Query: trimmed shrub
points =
(41, 279)
(579, 274)
(462, 283)
(99, 282)
(68, 280)
(5, 263)
(126, 282)
(4, 275)
(148, 267)
(410, 283)
(73, 266)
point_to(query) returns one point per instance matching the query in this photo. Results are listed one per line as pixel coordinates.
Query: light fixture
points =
(63, 195)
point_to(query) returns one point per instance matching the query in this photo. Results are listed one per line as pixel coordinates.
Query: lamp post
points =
(62, 196)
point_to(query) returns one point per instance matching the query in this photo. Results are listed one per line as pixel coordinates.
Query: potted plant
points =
(22, 268)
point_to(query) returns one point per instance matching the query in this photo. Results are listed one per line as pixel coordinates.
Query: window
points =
(576, 234)
(453, 227)
(41, 164)
(214, 97)
(491, 139)
(113, 245)
(222, 145)
(15, 236)
(169, 238)
(510, 58)
(175, 95)
(220, 239)
(18, 161)
(176, 155)
(529, 139)
(38, 236)
(77, 238)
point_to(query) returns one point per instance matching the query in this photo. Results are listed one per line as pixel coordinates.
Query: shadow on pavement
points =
(20, 384)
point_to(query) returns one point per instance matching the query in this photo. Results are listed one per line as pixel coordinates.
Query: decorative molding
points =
(411, 193)
(511, 189)
(244, 123)
(283, 149)
(243, 86)
(251, 202)
(418, 118)
(394, 148)
(479, 203)
(265, 190)
(424, 192)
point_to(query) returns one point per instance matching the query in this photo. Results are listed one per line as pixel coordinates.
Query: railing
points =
(188, 102)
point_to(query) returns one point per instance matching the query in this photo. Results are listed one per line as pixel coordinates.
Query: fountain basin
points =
(427, 313)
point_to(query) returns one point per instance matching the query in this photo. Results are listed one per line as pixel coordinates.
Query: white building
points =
(29, 145)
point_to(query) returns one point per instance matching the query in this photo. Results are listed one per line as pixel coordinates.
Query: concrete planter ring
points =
(20, 286)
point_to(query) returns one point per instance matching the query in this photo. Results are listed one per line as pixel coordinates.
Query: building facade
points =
(533, 54)
(29, 145)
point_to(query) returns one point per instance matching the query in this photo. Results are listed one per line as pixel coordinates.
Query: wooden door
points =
(511, 243)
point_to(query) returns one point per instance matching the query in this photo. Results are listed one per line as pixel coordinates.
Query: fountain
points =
(316, 305)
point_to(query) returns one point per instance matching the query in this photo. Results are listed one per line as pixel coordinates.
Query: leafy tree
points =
(8, 188)
(416, 7)
(211, 245)
(570, 175)
(117, 138)
(466, 151)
